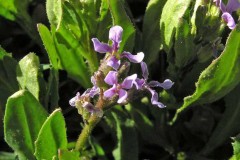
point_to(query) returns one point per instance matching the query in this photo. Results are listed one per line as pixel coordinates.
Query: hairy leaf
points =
(29, 75)
(23, 119)
(51, 137)
(236, 148)
(54, 11)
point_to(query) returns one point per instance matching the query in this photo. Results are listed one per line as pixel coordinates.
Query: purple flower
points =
(143, 84)
(118, 89)
(232, 5)
(72, 101)
(115, 35)
(90, 92)
(91, 109)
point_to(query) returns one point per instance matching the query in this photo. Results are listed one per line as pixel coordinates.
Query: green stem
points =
(86, 131)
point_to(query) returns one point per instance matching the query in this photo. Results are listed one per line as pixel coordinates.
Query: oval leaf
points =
(54, 11)
(172, 13)
(52, 136)
(29, 75)
(23, 119)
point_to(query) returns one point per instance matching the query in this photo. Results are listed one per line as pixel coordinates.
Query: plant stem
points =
(86, 131)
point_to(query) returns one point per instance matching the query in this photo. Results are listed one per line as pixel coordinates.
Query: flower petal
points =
(94, 91)
(110, 92)
(115, 34)
(167, 84)
(111, 78)
(232, 5)
(229, 20)
(89, 107)
(154, 99)
(133, 58)
(222, 6)
(128, 81)
(139, 83)
(113, 62)
(72, 101)
(101, 47)
(122, 96)
(145, 73)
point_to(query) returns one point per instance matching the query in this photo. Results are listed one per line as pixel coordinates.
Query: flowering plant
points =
(119, 79)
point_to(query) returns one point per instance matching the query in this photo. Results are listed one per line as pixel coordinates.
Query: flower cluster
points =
(110, 84)
(232, 5)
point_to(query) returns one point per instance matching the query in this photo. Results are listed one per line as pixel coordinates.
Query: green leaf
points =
(29, 76)
(52, 97)
(184, 46)
(121, 18)
(127, 147)
(236, 148)
(7, 156)
(47, 39)
(228, 125)
(198, 4)
(65, 58)
(151, 29)
(51, 137)
(54, 11)
(8, 81)
(217, 80)
(23, 119)
(68, 155)
(172, 14)
(12, 9)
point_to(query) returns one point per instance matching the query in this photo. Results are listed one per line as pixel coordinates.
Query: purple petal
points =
(133, 58)
(167, 84)
(217, 2)
(94, 91)
(154, 99)
(101, 47)
(139, 83)
(110, 92)
(229, 20)
(232, 5)
(122, 96)
(89, 107)
(113, 62)
(115, 34)
(222, 6)
(72, 101)
(144, 70)
(128, 81)
(111, 78)
(93, 80)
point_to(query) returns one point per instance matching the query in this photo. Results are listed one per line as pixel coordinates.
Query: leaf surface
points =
(51, 137)
(23, 119)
